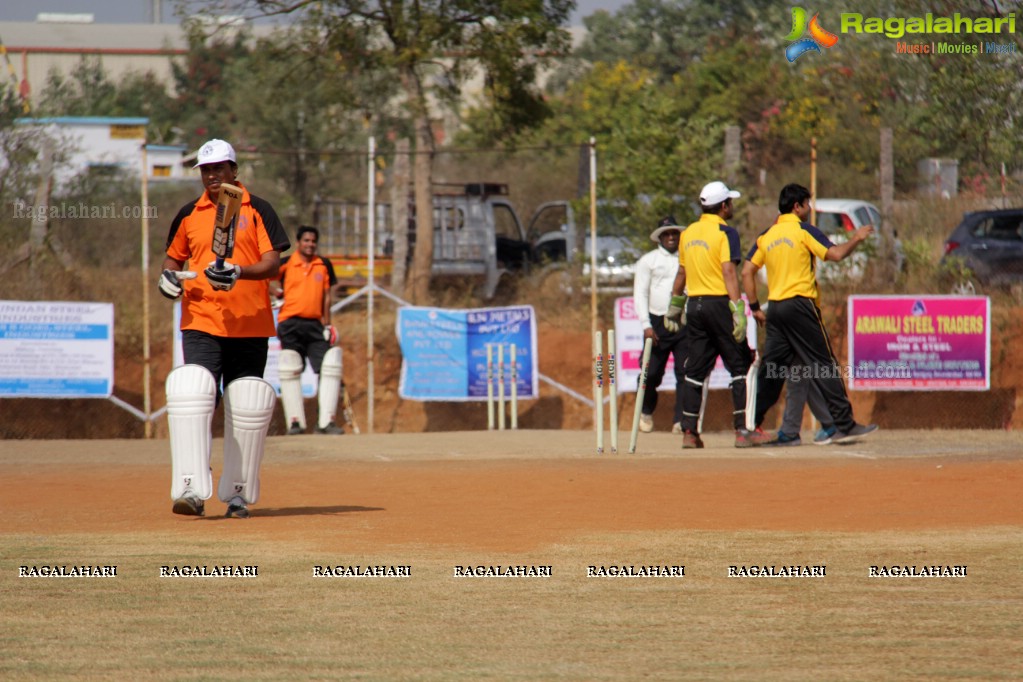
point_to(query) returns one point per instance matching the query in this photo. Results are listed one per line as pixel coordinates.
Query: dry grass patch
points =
(287, 624)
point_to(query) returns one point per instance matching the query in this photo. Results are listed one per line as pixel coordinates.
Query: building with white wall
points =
(101, 144)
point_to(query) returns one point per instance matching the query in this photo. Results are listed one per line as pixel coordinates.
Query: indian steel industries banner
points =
(629, 345)
(919, 343)
(56, 349)
(308, 377)
(444, 352)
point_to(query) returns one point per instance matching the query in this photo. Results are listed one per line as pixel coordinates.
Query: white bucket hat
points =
(665, 224)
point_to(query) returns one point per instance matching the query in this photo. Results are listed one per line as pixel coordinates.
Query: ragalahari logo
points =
(818, 36)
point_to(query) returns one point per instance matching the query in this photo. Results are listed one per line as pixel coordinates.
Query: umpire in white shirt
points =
(651, 291)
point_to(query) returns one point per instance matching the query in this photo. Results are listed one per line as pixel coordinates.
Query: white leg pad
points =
(248, 407)
(191, 399)
(289, 368)
(330, 386)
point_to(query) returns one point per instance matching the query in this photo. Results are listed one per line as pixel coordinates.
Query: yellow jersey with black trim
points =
(789, 249)
(705, 246)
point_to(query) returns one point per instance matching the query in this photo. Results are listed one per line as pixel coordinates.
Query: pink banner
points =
(920, 343)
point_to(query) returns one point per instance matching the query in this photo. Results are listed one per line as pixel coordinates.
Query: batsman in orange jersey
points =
(220, 269)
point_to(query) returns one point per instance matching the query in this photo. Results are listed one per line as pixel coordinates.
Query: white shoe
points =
(676, 428)
(646, 423)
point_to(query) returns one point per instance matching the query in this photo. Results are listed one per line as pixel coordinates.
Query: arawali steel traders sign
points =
(919, 343)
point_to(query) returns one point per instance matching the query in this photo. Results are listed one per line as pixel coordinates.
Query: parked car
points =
(990, 245)
(837, 218)
(555, 235)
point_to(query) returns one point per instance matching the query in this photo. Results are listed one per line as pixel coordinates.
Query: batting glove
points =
(170, 285)
(330, 334)
(675, 318)
(738, 309)
(225, 279)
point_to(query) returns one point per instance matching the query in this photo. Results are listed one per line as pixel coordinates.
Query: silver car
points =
(837, 218)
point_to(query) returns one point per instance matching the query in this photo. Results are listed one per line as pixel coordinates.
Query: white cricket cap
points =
(717, 192)
(214, 151)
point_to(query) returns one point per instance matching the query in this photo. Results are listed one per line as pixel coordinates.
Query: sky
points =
(141, 11)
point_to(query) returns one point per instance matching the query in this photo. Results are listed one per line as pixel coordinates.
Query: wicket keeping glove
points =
(330, 334)
(225, 279)
(738, 309)
(675, 318)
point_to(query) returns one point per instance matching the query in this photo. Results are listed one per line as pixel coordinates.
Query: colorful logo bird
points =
(818, 36)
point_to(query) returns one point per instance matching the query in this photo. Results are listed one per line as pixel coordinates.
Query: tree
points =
(205, 105)
(431, 48)
(307, 112)
(652, 156)
(667, 36)
(88, 91)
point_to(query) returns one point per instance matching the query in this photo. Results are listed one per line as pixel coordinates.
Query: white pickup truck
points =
(477, 233)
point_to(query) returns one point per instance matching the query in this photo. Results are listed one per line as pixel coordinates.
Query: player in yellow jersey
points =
(795, 328)
(709, 258)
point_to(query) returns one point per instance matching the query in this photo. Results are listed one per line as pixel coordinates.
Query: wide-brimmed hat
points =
(664, 224)
(717, 192)
(214, 151)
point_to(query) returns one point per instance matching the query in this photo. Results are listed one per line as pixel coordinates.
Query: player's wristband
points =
(754, 306)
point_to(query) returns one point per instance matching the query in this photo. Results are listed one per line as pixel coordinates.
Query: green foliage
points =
(651, 157)
(19, 174)
(666, 37)
(728, 59)
(207, 103)
(431, 48)
(88, 91)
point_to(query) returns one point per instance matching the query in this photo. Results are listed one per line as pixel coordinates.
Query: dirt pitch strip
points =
(497, 556)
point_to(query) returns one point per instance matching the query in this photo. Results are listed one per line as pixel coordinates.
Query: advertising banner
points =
(56, 349)
(629, 344)
(444, 352)
(919, 343)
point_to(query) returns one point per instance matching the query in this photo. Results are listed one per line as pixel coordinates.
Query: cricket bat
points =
(229, 202)
(751, 393)
(347, 411)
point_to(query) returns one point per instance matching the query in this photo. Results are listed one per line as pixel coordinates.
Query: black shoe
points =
(296, 429)
(331, 429)
(236, 509)
(857, 432)
(785, 440)
(189, 505)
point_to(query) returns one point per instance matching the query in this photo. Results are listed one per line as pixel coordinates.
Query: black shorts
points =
(304, 336)
(225, 358)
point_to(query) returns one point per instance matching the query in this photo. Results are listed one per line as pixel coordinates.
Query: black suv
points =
(990, 244)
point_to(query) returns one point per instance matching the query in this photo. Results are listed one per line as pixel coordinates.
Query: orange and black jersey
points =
(789, 250)
(305, 286)
(245, 310)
